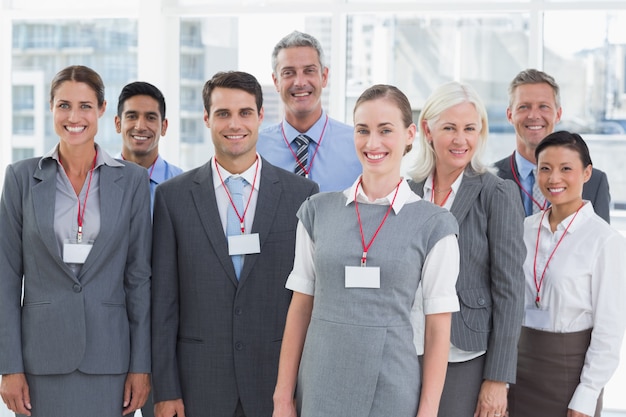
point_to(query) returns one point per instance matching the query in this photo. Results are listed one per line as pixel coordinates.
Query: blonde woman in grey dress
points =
(360, 254)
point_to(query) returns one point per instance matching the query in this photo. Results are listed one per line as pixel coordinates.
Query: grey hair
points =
(296, 39)
(533, 76)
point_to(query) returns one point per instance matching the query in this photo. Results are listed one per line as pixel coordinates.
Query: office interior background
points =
(413, 44)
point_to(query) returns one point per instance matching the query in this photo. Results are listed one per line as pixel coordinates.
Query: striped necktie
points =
(302, 154)
(537, 194)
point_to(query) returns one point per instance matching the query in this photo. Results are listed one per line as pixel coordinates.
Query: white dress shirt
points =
(584, 287)
(222, 197)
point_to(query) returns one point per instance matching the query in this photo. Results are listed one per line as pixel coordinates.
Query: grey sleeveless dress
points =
(359, 359)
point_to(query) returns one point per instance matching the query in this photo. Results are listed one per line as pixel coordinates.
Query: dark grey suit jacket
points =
(98, 322)
(216, 340)
(491, 279)
(595, 190)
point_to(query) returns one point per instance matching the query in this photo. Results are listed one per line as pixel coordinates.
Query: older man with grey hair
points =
(307, 141)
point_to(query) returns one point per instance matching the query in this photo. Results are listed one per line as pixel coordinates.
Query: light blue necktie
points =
(233, 225)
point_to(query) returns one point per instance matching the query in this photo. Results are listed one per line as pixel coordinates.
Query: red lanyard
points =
(539, 283)
(432, 195)
(319, 142)
(81, 212)
(241, 217)
(530, 195)
(358, 215)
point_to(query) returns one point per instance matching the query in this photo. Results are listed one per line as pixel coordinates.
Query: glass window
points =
(418, 52)
(23, 125)
(22, 153)
(23, 97)
(106, 45)
(590, 67)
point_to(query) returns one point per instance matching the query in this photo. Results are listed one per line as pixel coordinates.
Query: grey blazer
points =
(491, 279)
(98, 322)
(595, 190)
(215, 340)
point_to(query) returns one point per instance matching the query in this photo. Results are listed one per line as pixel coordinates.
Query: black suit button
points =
(238, 345)
(481, 301)
(77, 288)
(238, 311)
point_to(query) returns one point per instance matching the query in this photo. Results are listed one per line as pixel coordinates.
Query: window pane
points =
(46, 46)
(590, 67)
(74, 4)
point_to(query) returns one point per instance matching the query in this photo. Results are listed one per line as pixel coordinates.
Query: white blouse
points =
(584, 287)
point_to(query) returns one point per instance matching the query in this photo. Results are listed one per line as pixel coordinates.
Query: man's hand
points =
(169, 408)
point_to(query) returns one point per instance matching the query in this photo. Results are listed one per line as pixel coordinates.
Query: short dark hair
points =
(235, 80)
(140, 88)
(568, 140)
(80, 74)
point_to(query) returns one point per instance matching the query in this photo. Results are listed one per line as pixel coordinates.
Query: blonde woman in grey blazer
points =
(453, 133)
(75, 269)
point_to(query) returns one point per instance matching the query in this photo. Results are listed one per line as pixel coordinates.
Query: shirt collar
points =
(524, 166)
(158, 172)
(102, 157)
(428, 184)
(247, 175)
(584, 213)
(315, 132)
(404, 196)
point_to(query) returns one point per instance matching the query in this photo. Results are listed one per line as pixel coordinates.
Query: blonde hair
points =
(444, 97)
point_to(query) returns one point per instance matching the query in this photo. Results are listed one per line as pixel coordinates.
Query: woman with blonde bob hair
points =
(449, 173)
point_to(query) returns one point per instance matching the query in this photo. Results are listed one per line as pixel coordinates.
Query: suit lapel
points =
(44, 200)
(203, 195)
(266, 209)
(466, 197)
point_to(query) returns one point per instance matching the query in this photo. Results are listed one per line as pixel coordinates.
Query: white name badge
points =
(362, 277)
(536, 318)
(244, 244)
(76, 253)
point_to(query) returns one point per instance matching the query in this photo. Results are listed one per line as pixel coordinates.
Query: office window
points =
(23, 97)
(106, 45)
(22, 153)
(418, 52)
(23, 125)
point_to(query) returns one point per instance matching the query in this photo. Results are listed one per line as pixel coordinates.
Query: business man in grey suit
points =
(534, 110)
(217, 331)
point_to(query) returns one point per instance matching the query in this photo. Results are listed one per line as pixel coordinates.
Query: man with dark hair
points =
(223, 246)
(141, 121)
(307, 141)
(534, 110)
